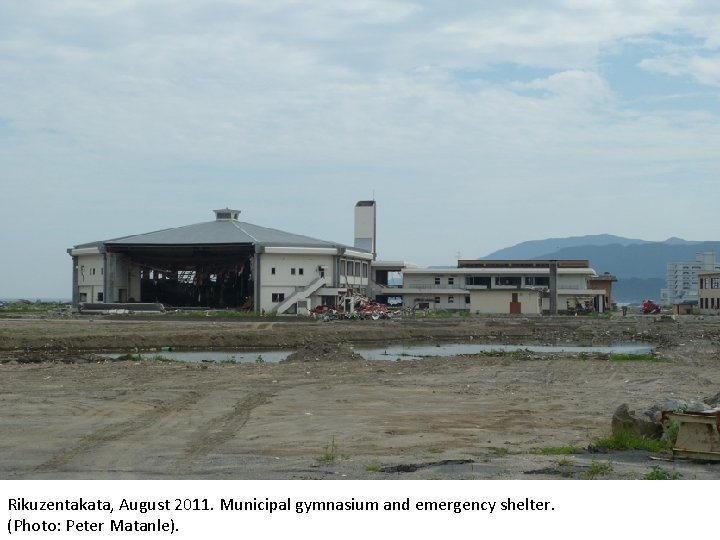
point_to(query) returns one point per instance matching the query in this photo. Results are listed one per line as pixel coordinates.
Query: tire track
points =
(219, 430)
(117, 431)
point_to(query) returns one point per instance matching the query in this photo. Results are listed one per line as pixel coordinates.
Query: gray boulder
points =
(624, 420)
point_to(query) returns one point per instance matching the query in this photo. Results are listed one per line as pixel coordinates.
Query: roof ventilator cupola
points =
(226, 214)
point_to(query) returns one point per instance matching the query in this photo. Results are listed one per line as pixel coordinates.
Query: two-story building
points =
(709, 293)
(495, 286)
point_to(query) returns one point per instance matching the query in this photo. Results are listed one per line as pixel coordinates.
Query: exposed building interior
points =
(191, 276)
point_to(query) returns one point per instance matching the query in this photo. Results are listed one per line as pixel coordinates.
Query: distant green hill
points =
(640, 264)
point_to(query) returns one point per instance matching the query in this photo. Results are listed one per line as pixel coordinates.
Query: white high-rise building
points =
(681, 280)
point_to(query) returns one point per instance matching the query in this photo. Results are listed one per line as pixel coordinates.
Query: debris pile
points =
(324, 352)
(650, 423)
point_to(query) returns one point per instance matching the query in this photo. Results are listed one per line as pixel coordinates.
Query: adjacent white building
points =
(492, 287)
(681, 279)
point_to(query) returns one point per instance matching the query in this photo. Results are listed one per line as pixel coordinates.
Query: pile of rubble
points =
(649, 423)
(324, 352)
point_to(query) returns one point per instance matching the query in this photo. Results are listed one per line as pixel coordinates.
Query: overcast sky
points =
(476, 125)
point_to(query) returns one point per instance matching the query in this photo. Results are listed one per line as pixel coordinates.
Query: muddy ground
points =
(69, 413)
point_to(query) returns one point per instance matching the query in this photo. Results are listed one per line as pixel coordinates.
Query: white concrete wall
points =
(90, 277)
(572, 281)
(283, 281)
(488, 301)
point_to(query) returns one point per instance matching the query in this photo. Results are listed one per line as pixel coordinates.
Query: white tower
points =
(365, 226)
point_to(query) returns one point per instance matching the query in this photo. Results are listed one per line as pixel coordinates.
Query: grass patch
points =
(373, 467)
(500, 451)
(435, 450)
(161, 358)
(625, 357)
(596, 469)
(557, 450)
(31, 307)
(624, 440)
(331, 453)
(658, 473)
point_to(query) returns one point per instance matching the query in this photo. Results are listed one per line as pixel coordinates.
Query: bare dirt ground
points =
(67, 413)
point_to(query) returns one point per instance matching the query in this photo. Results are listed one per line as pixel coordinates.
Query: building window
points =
(278, 296)
(272, 270)
(437, 280)
(715, 283)
(467, 299)
(292, 271)
(99, 297)
(301, 271)
(508, 281)
(357, 268)
(477, 281)
(83, 297)
(451, 281)
(365, 270)
(451, 299)
(437, 299)
(349, 271)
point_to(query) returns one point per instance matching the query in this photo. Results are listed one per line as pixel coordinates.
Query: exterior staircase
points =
(301, 294)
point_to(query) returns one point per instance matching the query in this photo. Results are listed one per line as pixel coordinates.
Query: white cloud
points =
(704, 69)
(179, 105)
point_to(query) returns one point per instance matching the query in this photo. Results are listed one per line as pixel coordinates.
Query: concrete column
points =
(256, 278)
(553, 287)
(75, 289)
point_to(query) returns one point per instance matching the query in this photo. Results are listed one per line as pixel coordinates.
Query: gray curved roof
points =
(222, 232)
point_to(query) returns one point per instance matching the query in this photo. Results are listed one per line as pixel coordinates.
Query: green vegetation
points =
(624, 357)
(373, 467)
(658, 473)
(671, 433)
(597, 468)
(259, 359)
(624, 440)
(161, 358)
(557, 450)
(331, 453)
(436, 314)
(24, 306)
(500, 451)
(435, 450)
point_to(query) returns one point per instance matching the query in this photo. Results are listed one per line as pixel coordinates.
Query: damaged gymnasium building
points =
(225, 263)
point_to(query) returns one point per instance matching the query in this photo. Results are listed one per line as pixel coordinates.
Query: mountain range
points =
(639, 265)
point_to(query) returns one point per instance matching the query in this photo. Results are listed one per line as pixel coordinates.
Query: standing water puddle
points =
(393, 352)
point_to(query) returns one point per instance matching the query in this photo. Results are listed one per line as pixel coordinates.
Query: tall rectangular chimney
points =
(365, 216)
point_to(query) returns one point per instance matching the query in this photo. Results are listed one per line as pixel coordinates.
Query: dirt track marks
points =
(219, 430)
(118, 431)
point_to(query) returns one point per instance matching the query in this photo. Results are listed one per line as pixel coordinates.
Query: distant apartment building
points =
(709, 293)
(495, 286)
(681, 281)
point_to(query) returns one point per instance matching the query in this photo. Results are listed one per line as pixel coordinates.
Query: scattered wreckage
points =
(692, 428)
